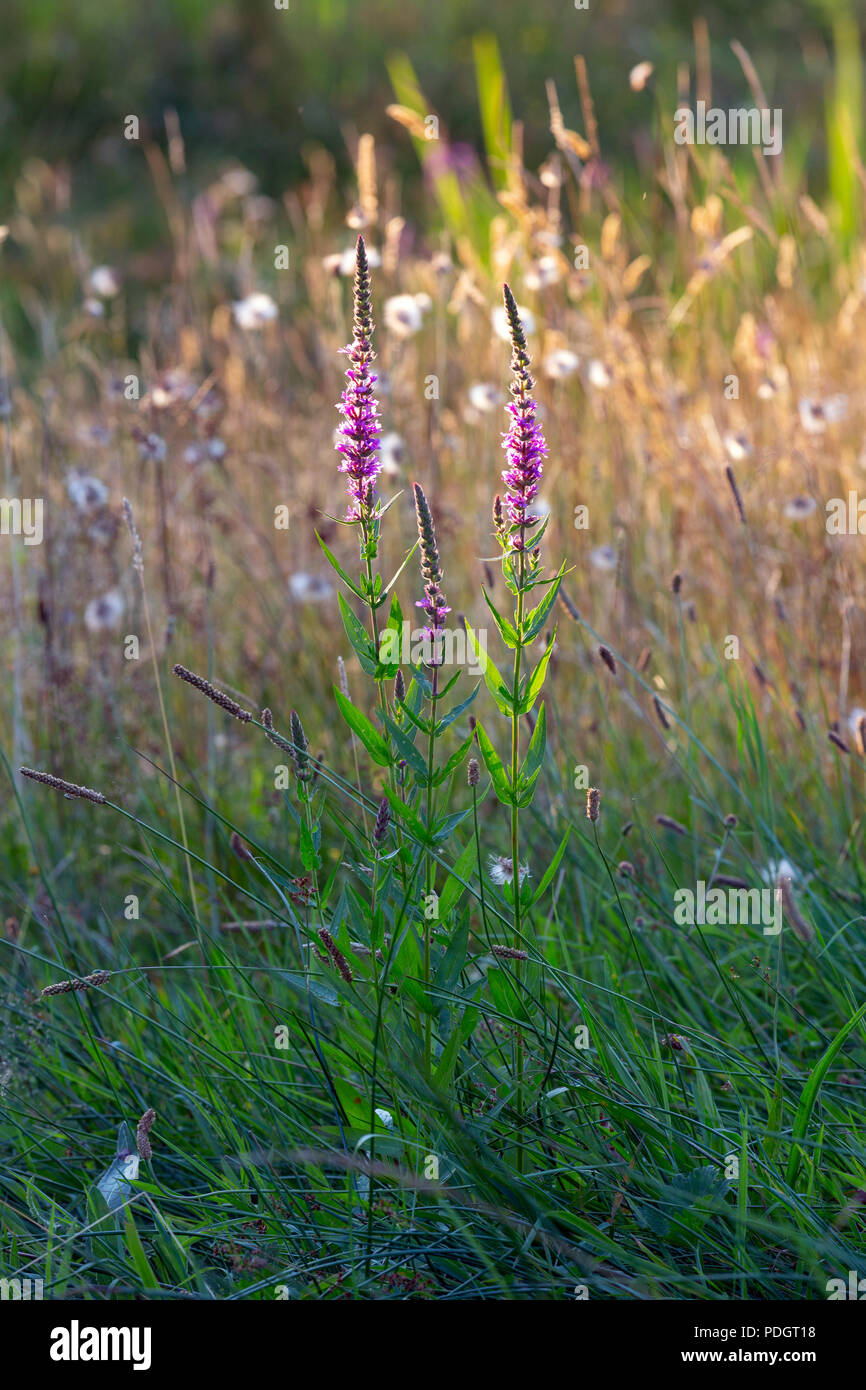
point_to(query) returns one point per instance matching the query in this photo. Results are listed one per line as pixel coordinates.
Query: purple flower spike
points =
(358, 434)
(433, 602)
(524, 444)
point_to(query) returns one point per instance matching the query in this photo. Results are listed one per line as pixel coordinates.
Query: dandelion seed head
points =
(737, 446)
(484, 397)
(104, 282)
(402, 315)
(640, 76)
(152, 446)
(254, 312)
(800, 507)
(501, 870)
(392, 451)
(560, 364)
(104, 613)
(546, 271)
(310, 588)
(599, 375)
(778, 869)
(604, 558)
(86, 492)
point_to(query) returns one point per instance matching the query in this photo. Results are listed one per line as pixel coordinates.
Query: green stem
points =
(515, 852)
(431, 865)
(383, 705)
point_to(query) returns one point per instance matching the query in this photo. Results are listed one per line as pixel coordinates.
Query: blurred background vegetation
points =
(255, 83)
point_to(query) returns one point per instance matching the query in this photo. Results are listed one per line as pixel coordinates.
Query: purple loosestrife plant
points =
(358, 446)
(358, 435)
(524, 444)
(433, 603)
(519, 531)
(435, 608)
(413, 774)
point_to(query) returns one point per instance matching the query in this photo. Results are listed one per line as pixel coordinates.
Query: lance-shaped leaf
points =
(407, 817)
(393, 581)
(337, 567)
(453, 762)
(357, 635)
(444, 828)
(494, 681)
(455, 712)
(506, 631)
(533, 761)
(495, 766)
(457, 880)
(536, 619)
(532, 687)
(405, 748)
(373, 741)
(547, 876)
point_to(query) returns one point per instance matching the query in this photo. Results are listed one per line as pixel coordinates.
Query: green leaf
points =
(547, 876)
(319, 989)
(418, 993)
(455, 712)
(335, 565)
(448, 1059)
(537, 744)
(504, 994)
(393, 581)
(395, 615)
(533, 685)
(538, 617)
(389, 655)
(453, 762)
(496, 768)
(810, 1093)
(534, 759)
(404, 746)
(454, 958)
(309, 855)
(367, 732)
(407, 816)
(494, 106)
(493, 680)
(447, 824)
(358, 639)
(506, 631)
(136, 1250)
(455, 884)
(451, 1051)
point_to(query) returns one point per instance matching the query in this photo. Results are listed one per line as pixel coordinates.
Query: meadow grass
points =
(380, 1067)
